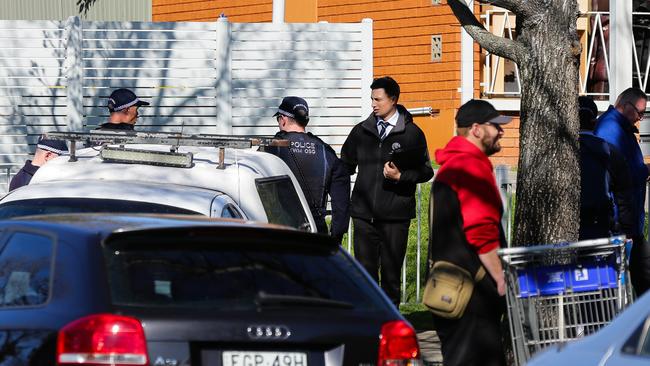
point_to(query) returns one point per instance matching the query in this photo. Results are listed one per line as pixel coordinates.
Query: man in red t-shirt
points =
(466, 230)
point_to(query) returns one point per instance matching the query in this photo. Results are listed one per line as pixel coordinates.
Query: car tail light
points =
(102, 339)
(398, 345)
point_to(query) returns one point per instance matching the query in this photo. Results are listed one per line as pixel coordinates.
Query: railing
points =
(501, 77)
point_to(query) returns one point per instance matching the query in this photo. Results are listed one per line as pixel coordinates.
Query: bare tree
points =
(546, 49)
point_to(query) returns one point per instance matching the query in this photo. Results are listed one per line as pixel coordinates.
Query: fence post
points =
(404, 276)
(74, 73)
(418, 253)
(502, 173)
(224, 76)
(366, 65)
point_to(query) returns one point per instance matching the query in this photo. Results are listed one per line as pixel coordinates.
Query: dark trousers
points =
(640, 265)
(475, 339)
(380, 247)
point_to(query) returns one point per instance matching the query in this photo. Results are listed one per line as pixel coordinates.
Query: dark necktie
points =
(383, 125)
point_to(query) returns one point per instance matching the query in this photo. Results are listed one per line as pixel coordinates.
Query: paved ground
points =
(430, 347)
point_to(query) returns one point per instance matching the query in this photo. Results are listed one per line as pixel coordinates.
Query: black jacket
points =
(320, 172)
(606, 192)
(375, 197)
(24, 176)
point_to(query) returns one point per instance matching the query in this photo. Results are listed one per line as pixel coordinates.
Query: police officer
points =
(46, 150)
(315, 164)
(123, 106)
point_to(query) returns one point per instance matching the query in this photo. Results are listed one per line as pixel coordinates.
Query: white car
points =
(625, 341)
(126, 175)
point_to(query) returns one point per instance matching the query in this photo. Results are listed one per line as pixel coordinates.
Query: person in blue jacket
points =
(606, 204)
(617, 126)
(315, 165)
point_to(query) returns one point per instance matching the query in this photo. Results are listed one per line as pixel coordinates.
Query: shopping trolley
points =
(560, 292)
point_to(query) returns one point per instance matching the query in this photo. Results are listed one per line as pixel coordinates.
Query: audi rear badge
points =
(268, 332)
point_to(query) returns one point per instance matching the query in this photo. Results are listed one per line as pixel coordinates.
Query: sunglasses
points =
(497, 126)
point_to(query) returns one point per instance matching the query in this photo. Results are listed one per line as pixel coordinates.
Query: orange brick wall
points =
(239, 11)
(509, 153)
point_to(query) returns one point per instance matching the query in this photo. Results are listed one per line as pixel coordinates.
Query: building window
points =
(436, 48)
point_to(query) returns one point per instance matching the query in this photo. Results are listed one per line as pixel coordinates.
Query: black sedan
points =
(177, 291)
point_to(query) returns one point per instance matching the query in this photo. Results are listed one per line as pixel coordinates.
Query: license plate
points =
(246, 358)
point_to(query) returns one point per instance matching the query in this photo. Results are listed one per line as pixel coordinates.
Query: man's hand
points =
(391, 172)
(492, 264)
(501, 287)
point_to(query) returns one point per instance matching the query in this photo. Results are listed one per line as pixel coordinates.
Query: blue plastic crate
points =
(587, 275)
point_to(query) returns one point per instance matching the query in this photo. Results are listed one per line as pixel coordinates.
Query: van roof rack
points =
(174, 140)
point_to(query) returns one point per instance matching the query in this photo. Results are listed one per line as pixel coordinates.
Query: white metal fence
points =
(217, 77)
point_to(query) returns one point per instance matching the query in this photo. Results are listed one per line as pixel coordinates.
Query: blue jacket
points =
(614, 128)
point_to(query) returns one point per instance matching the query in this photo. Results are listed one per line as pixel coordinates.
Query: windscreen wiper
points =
(263, 299)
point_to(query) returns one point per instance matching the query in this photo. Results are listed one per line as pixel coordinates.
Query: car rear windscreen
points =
(44, 206)
(236, 277)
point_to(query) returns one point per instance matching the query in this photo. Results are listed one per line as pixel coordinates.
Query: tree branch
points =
(85, 5)
(515, 6)
(496, 45)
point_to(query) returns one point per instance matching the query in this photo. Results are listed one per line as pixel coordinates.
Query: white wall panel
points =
(199, 77)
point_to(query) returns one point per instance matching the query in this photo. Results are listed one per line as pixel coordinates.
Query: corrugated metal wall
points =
(106, 10)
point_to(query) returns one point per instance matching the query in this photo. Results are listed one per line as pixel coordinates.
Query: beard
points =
(491, 145)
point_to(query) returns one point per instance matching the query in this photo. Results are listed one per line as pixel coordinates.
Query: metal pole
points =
(620, 45)
(350, 236)
(467, 62)
(278, 11)
(417, 260)
(404, 278)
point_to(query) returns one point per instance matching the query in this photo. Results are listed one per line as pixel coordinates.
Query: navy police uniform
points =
(320, 172)
(24, 176)
(115, 127)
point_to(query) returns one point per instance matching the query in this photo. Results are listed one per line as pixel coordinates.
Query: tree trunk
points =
(548, 178)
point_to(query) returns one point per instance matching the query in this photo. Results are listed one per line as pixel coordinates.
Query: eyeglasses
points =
(638, 112)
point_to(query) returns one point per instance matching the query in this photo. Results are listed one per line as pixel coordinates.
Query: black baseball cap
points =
(294, 107)
(479, 111)
(56, 146)
(122, 99)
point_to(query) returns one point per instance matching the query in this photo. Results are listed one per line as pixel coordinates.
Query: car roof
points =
(190, 198)
(237, 179)
(203, 174)
(105, 225)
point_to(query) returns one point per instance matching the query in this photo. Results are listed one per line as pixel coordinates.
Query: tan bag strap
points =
(479, 274)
